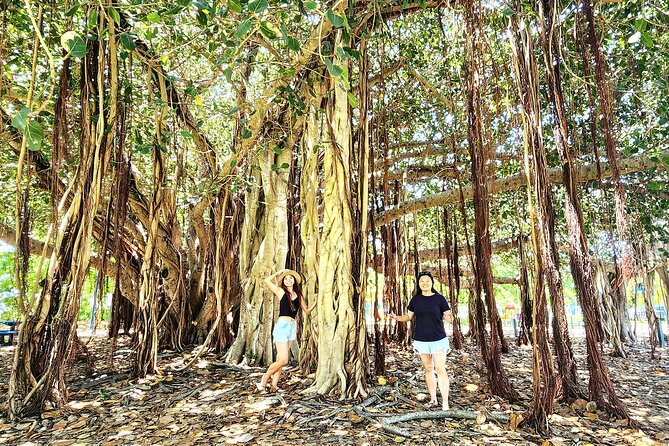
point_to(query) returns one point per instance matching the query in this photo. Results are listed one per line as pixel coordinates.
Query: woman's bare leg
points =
(429, 376)
(276, 366)
(444, 381)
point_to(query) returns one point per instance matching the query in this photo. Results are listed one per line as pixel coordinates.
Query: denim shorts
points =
(432, 347)
(284, 331)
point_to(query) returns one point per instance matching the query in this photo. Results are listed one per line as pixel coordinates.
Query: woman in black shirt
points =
(430, 342)
(285, 329)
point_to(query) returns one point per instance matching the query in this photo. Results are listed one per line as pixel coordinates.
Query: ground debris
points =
(216, 403)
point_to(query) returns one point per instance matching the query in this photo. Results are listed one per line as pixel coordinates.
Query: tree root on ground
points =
(387, 423)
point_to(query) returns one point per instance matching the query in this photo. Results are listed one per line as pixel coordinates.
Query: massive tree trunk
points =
(309, 198)
(342, 353)
(264, 247)
(478, 151)
(49, 330)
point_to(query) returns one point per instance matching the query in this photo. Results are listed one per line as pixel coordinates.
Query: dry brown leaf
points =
(355, 418)
(165, 419)
(79, 423)
(59, 425)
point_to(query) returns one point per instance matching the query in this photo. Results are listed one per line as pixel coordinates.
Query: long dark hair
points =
(421, 274)
(297, 288)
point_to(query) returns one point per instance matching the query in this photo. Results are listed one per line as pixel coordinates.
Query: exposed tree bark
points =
(49, 330)
(458, 338)
(264, 247)
(664, 278)
(606, 107)
(600, 387)
(540, 204)
(648, 290)
(499, 383)
(568, 387)
(309, 199)
(146, 335)
(611, 297)
(342, 341)
(525, 329)
(586, 173)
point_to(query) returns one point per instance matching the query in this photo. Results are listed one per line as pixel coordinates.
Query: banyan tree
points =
(187, 150)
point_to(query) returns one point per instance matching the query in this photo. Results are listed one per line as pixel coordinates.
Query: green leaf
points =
(258, 6)
(352, 100)
(74, 44)
(285, 166)
(335, 70)
(640, 24)
(310, 6)
(654, 186)
(187, 135)
(34, 135)
(235, 6)
(143, 148)
(115, 16)
(21, 118)
(154, 17)
(292, 43)
(201, 5)
(127, 41)
(246, 133)
(336, 20)
(508, 12)
(243, 28)
(646, 39)
(92, 18)
(266, 31)
(233, 163)
(72, 11)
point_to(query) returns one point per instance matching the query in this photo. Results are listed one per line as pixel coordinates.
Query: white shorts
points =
(432, 347)
(284, 331)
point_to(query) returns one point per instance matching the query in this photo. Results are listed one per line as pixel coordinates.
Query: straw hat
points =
(290, 272)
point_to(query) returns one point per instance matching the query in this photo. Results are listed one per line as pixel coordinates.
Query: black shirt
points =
(429, 311)
(284, 307)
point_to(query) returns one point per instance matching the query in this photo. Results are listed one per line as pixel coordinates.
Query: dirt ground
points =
(215, 403)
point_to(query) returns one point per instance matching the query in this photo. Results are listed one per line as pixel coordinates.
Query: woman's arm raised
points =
(270, 283)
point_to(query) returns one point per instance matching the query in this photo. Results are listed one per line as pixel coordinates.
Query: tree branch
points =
(586, 173)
